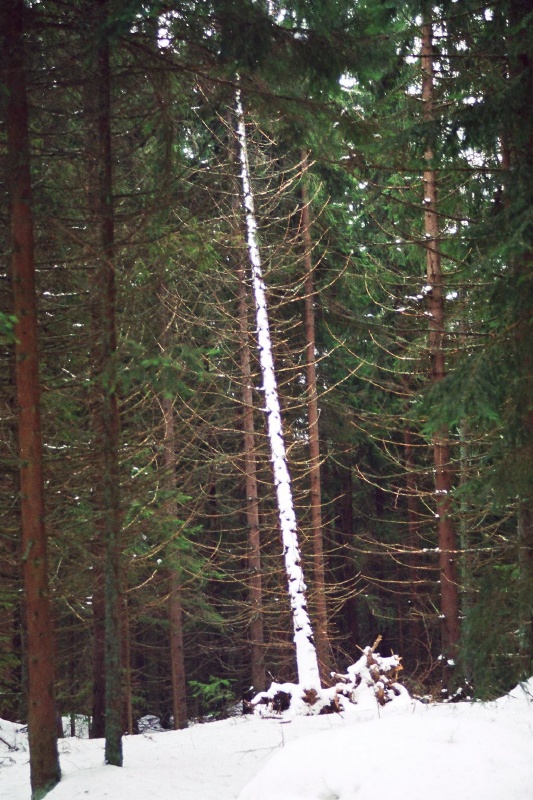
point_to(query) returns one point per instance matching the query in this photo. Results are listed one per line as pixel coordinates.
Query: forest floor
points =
(408, 749)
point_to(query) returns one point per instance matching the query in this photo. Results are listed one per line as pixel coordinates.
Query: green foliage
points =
(246, 33)
(167, 373)
(7, 328)
(490, 654)
(214, 695)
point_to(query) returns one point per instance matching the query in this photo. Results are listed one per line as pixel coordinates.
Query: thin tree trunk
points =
(322, 638)
(177, 652)
(306, 657)
(413, 542)
(44, 762)
(97, 728)
(175, 610)
(441, 449)
(257, 643)
(342, 475)
(127, 708)
(106, 379)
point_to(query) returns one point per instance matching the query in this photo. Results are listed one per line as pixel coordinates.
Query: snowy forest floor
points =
(468, 751)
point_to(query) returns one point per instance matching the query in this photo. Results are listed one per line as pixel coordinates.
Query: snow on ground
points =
(406, 749)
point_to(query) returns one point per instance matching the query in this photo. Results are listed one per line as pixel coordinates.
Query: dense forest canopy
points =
(390, 154)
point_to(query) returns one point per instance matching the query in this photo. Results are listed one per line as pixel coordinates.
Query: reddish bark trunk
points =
(255, 580)
(323, 646)
(98, 609)
(177, 653)
(413, 542)
(42, 731)
(97, 729)
(257, 643)
(346, 524)
(436, 345)
(175, 610)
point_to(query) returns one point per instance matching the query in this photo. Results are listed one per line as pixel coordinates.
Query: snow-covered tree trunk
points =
(306, 657)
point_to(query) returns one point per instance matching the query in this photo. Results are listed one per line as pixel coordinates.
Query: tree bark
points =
(108, 425)
(127, 707)
(306, 657)
(42, 730)
(257, 643)
(175, 610)
(97, 728)
(322, 638)
(449, 592)
(413, 541)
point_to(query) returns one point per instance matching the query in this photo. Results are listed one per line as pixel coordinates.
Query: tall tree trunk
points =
(257, 643)
(306, 657)
(341, 475)
(108, 427)
(97, 728)
(42, 730)
(449, 592)
(127, 708)
(413, 541)
(322, 639)
(175, 610)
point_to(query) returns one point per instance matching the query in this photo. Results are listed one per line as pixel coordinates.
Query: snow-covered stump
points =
(306, 657)
(372, 675)
(286, 700)
(371, 680)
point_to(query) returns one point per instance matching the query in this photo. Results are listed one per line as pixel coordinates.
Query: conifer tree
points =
(449, 591)
(322, 639)
(106, 377)
(44, 761)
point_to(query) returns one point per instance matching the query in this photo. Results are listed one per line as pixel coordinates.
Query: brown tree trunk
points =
(97, 729)
(257, 643)
(175, 610)
(107, 415)
(413, 541)
(342, 475)
(42, 730)
(323, 646)
(441, 449)
(127, 708)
